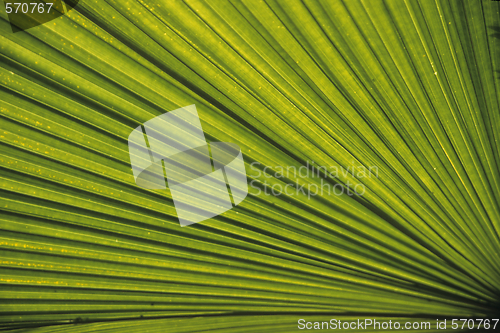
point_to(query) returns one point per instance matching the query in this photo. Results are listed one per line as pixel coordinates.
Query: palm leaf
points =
(406, 89)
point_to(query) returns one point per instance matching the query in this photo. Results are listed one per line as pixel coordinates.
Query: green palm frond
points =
(405, 89)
